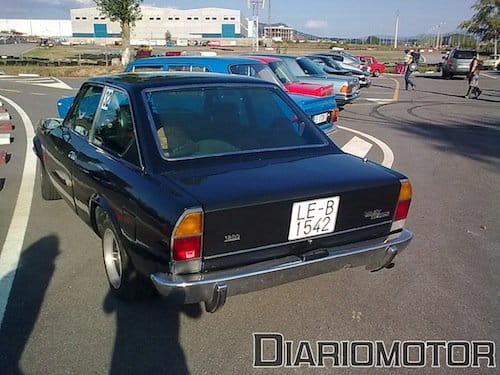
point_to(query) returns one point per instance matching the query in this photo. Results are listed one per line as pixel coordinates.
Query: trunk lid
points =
(248, 205)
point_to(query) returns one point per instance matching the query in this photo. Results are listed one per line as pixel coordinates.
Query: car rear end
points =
(323, 111)
(459, 61)
(277, 200)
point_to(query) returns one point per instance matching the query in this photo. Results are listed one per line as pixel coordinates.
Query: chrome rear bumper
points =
(213, 287)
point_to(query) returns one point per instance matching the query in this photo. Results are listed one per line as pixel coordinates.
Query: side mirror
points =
(64, 104)
(47, 124)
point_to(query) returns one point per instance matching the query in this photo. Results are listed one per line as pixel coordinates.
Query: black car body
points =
(214, 185)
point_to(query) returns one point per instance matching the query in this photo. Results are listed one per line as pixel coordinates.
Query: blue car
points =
(322, 110)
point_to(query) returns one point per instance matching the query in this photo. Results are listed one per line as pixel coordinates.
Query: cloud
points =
(316, 24)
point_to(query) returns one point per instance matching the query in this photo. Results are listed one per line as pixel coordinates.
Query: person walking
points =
(473, 76)
(410, 67)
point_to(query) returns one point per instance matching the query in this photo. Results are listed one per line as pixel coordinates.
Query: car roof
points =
(266, 59)
(131, 81)
(197, 59)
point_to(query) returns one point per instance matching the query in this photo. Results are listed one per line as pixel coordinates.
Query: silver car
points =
(457, 62)
(346, 88)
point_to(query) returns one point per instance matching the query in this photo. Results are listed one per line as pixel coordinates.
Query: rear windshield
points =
(309, 67)
(202, 122)
(261, 71)
(464, 54)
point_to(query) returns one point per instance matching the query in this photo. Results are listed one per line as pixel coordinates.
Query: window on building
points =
(151, 18)
(214, 18)
(207, 18)
(233, 18)
(189, 18)
(77, 18)
(170, 18)
(158, 18)
(226, 18)
(84, 18)
(96, 18)
(196, 18)
(103, 18)
(177, 18)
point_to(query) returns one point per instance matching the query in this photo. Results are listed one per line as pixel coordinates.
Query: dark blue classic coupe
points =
(203, 186)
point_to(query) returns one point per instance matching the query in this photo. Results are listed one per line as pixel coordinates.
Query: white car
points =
(492, 63)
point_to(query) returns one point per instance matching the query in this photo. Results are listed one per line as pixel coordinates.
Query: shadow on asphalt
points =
(147, 336)
(454, 78)
(36, 266)
(476, 138)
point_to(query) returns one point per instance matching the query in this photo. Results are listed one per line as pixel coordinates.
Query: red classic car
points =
(289, 81)
(375, 67)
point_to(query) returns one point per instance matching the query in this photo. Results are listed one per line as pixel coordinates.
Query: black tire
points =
(444, 75)
(376, 73)
(49, 192)
(125, 282)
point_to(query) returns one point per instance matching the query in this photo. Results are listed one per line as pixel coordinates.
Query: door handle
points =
(72, 155)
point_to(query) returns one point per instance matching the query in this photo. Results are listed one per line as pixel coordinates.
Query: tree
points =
(485, 23)
(372, 39)
(126, 12)
(168, 36)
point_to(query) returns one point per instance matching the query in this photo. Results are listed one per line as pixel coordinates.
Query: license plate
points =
(319, 119)
(313, 218)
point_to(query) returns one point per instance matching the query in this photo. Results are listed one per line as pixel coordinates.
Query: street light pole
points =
(397, 30)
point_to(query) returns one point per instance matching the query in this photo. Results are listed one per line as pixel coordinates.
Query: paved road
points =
(61, 319)
(15, 49)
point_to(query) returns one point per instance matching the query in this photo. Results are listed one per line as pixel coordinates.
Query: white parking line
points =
(489, 75)
(13, 245)
(357, 147)
(388, 158)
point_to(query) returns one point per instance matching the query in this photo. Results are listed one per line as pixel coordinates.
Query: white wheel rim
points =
(112, 258)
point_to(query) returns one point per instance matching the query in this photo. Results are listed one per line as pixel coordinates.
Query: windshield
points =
(294, 67)
(199, 122)
(261, 71)
(309, 67)
(282, 72)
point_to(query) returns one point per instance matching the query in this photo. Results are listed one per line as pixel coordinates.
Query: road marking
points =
(395, 97)
(38, 93)
(28, 75)
(13, 245)
(9, 90)
(489, 75)
(5, 139)
(388, 158)
(379, 101)
(357, 147)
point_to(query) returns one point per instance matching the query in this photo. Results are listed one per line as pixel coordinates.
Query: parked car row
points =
(317, 83)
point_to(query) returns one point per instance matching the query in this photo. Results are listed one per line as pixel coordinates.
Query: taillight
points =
(325, 91)
(334, 115)
(403, 206)
(187, 242)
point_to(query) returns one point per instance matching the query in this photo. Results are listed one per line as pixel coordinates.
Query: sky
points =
(340, 18)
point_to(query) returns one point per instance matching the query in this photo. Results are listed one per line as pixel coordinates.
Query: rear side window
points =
(82, 117)
(187, 68)
(114, 129)
(147, 68)
(464, 55)
(214, 121)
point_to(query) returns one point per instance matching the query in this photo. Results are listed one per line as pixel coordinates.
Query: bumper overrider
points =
(213, 287)
(343, 99)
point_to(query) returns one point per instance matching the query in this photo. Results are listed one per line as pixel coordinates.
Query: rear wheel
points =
(49, 192)
(444, 74)
(376, 73)
(124, 280)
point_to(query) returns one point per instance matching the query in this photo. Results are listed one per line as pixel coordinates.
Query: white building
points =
(155, 22)
(43, 28)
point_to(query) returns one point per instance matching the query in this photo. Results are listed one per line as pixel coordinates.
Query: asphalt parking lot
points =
(60, 318)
